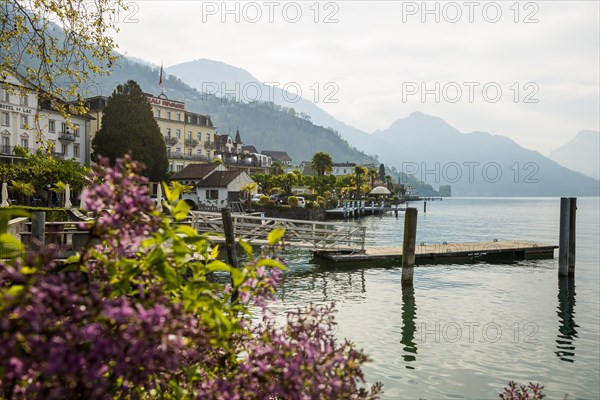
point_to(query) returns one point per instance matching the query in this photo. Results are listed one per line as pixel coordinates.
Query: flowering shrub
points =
(140, 314)
(512, 392)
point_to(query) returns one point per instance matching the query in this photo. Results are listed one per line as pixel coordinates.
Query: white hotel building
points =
(19, 106)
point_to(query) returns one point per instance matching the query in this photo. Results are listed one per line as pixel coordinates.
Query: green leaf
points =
(186, 230)
(217, 265)
(269, 262)
(215, 252)
(247, 249)
(181, 210)
(275, 236)
(15, 290)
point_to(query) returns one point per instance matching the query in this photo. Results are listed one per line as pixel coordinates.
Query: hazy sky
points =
(527, 70)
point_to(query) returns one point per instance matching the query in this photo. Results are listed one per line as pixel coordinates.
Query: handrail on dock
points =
(255, 229)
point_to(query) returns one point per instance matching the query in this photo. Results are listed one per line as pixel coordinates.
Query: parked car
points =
(257, 196)
(301, 202)
(279, 199)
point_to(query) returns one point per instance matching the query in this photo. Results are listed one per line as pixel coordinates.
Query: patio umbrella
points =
(4, 195)
(159, 197)
(380, 190)
(68, 197)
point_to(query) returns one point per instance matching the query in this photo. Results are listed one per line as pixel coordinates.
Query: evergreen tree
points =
(129, 126)
(382, 172)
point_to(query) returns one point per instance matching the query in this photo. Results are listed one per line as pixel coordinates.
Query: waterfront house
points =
(221, 188)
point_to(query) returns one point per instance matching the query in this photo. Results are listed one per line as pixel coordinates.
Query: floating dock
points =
(445, 252)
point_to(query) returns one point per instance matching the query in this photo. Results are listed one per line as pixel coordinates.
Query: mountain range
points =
(581, 154)
(477, 163)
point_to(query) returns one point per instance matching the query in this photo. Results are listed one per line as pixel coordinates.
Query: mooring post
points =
(409, 245)
(38, 226)
(230, 247)
(425, 206)
(563, 244)
(572, 220)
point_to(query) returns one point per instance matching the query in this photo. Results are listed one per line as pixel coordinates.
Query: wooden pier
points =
(446, 252)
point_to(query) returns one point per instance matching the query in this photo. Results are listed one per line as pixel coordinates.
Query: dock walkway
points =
(446, 252)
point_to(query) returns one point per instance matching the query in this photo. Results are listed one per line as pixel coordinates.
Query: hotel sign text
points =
(166, 103)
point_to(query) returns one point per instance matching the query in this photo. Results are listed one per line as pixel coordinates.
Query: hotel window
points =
(189, 137)
(76, 130)
(64, 149)
(157, 113)
(208, 154)
(212, 195)
(168, 114)
(51, 126)
(76, 150)
(5, 145)
(169, 153)
(23, 99)
(178, 151)
(64, 128)
(199, 136)
(199, 152)
(24, 121)
(178, 116)
(179, 167)
(168, 133)
(4, 96)
(25, 143)
(5, 119)
(178, 133)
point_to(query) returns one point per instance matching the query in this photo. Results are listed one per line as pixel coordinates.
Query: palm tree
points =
(277, 168)
(321, 163)
(25, 189)
(373, 174)
(359, 171)
(388, 182)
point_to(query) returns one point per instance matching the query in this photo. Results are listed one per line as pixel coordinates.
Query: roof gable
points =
(220, 179)
(195, 172)
(277, 155)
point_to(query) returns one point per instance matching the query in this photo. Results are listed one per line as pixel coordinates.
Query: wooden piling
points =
(564, 234)
(409, 245)
(230, 246)
(572, 231)
(424, 206)
(38, 226)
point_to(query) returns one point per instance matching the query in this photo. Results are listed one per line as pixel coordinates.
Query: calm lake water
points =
(466, 330)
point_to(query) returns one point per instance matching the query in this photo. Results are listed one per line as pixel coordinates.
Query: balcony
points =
(191, 142)
(209, 145)
(67, 136)
(171, 140)
(180, 156)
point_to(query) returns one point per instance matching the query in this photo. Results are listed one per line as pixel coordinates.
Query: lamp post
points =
(49, 197)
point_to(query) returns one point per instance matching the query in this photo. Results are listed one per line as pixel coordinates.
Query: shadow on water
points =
(567, 332)
(409, 314)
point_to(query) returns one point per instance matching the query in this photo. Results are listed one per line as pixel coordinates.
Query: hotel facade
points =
(189, 137)
(34, 125)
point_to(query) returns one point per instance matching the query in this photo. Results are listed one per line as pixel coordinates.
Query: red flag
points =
(160, 79)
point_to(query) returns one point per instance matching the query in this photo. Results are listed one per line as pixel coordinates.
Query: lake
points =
(467, 329)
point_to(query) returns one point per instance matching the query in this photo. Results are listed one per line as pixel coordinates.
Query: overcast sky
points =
(527, 70)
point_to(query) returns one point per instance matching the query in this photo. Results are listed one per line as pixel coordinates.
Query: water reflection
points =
(409, 314)
(332, 285)
(567, 331)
